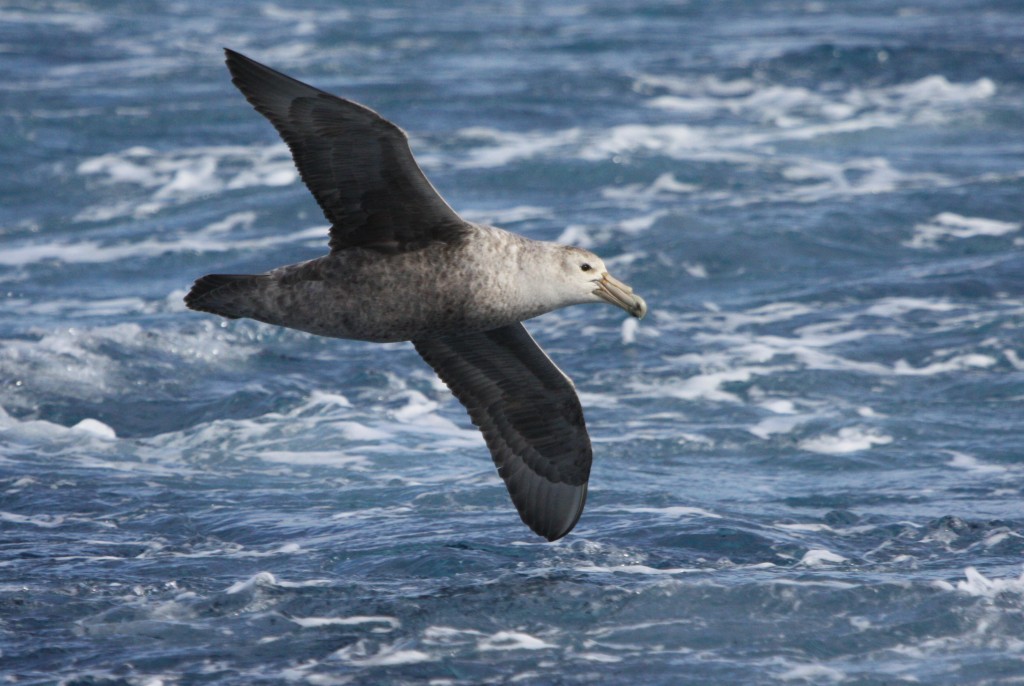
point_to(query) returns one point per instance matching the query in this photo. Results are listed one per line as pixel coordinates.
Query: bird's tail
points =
(229, 295)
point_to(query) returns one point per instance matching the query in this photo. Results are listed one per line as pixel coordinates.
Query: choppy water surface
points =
(809, 458)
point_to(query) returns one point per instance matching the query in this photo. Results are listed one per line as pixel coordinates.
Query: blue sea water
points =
(809, 458)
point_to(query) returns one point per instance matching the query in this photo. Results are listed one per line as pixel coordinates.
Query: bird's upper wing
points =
(356, 163)
(529, 413)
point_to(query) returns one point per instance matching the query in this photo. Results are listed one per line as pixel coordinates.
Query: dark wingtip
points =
(552, 520)
(236, 62)
(231, 56)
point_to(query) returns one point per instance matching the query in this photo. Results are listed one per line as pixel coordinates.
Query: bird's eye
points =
(585, 267)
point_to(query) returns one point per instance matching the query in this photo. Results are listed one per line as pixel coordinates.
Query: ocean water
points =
(809, 458)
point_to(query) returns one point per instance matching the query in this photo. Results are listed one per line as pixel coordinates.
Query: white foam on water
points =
(635, 225)
(972, 464)
(504, 216)
(435, 633)
(998, 536)
(685, 437)
(807, 347)
(778, 405)
(421, 415)
(799, 112)
(665, 187)
(635, 569)
(363, 654)
(682, 85)
(860, 623)
(68, 360)
(42, 432)
(239, 552)
(591, 656)
(266, 579)
(305, 21)
(775, 114)
(710, 96)
(606, 400)
(293, 439)
(894, 307)
(93, 363)
(771, 426)
(707, 387)
(22, 482)
(805, 526)
(253, 582)
(819, 556)
(354, 431)
(672, 511)
(786, 418)
(84, 21)
(375, 513)
(948, 225)
(449, 638)
(578, 235)
(417, 407)
(937, 89)
(93, 252)
(772, 313)
(697, 271)
(322, 458)
(43, 521)
(978, 585)
(734, 361)
(83, 309)
(315, 622)
(94, 427)
(183, 175)
(498, 148)
(818, 180)
(513, 640)
(318, 397)
(629, 329)
(236, 220)
(678, 141)
(814, 673)
(816, 583)
(1014, 359)
(954, 364)
(849, 439)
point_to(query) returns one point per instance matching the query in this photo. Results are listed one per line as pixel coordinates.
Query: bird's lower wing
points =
(530, 416)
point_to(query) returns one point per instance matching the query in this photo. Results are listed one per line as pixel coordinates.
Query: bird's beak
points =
(613, 291)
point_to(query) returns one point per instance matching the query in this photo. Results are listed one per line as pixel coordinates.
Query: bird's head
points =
(590, 281)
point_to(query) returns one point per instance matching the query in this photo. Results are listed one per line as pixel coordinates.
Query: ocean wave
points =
(949, 225)
(183, 175)
(97, 252)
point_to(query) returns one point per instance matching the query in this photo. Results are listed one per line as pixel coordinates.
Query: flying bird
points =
(404, 266)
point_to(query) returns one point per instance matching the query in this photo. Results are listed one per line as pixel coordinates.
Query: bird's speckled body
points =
(438, 288)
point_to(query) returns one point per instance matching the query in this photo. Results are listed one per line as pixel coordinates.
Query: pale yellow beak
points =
(613, 291)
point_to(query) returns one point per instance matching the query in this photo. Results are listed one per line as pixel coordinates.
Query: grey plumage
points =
(404, 266)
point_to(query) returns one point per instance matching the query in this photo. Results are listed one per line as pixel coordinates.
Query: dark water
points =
(809, 458)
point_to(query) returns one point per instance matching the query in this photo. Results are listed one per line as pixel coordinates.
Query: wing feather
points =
(357, 164)
(530, 416)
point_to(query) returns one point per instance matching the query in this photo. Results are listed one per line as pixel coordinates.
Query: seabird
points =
(403, 266)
